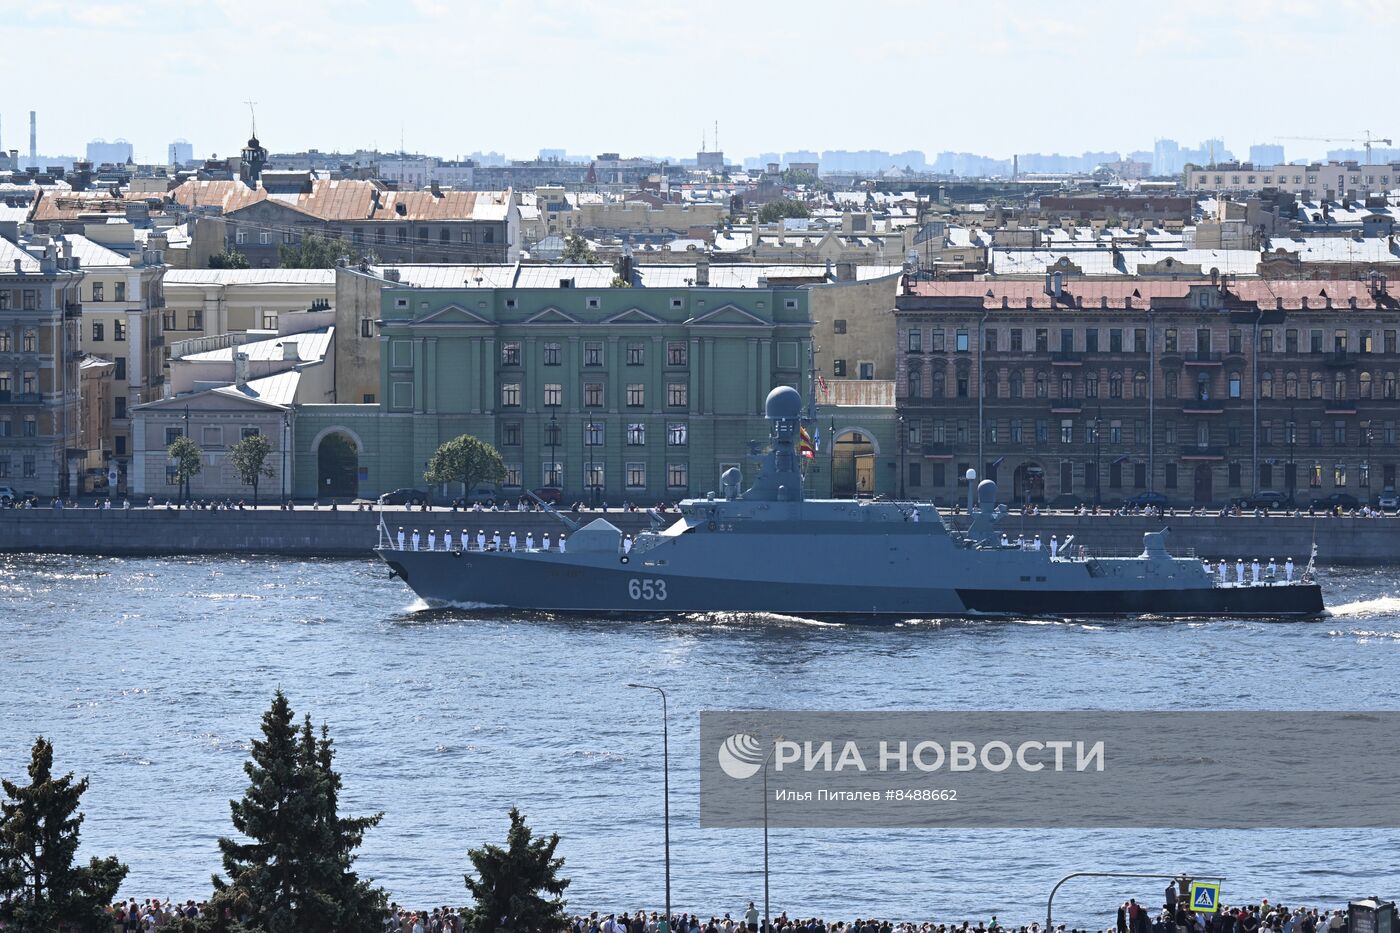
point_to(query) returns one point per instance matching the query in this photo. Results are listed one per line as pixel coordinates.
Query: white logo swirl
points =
(741, 756)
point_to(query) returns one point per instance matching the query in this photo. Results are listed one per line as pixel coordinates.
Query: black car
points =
(1337, 500)
(404, 496)
(1143, 499)
(1264, 499)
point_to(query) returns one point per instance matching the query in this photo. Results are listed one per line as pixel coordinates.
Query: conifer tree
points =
(518, 888)
(40, 886)
(295, 873)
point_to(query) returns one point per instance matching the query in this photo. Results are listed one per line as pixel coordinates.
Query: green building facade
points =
(613, 394)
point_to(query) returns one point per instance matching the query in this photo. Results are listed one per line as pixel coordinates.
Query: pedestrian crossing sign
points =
(1204, 897)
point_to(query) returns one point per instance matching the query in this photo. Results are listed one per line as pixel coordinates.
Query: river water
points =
(150, 676)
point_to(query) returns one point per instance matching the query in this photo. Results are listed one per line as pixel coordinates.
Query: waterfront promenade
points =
(349, 532)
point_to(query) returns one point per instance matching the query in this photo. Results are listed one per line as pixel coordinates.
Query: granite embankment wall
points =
(352, 534)
(264, 531)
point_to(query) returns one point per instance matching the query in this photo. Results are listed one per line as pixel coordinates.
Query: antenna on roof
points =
(252, 114)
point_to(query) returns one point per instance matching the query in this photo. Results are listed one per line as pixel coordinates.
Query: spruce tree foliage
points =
(518, 888)
(296, 871)
(41, 889)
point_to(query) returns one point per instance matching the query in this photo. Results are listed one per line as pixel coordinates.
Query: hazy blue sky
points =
(989, 76)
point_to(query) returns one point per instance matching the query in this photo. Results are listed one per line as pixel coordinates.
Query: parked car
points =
(1143, 499)
(8, 495)
(1388, 499)
(487, 493)
(550, 494)
(1264, 499)
(404, 496)
(1342, 499)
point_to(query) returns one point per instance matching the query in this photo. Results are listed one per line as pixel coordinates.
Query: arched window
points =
(1236, 385)
(1266, 384)
(1091, 385)
(1139, 384)
(1042, 385)
(989, 385)
(1203, 387)
(1115, 385)
(1290, 385)
(1365, 385)
(1017, 383)
(938, 380)
(1315, 385)
(916, 382)
(1067, 385)
(1389, 385)
(1170, 381)
(1339, 385)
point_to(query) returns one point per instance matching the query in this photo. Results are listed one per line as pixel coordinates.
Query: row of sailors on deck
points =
(1034, 544)
(1255, 571)
(417, 542)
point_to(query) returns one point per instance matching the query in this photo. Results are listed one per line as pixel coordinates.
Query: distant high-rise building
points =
(1270, 154)
(179, 152)
(1166, 157)
(101, 152)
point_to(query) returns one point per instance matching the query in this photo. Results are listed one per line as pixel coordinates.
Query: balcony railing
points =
(21, 398)
(1203, 358)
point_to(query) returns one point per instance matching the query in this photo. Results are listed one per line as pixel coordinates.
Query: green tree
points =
(774, 211)
(41, 889)
(315, 252)
(797, 177)
(296, 872)
(517, 888)
(228, 259)
(188, 460)
(576, 249)
(619, 282)
(466, 460)
(249, 458)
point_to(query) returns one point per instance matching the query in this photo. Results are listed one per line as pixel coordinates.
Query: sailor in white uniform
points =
(1004, 542)
(627, 544)
(562, 547)
(1239, 571)
(512, 541)
(1206, 564)
(447, 539)
(415, 539)
(1224, 571)
(1254, 570)
(432, 540)
(1054, 546)
(496, 541)
(481, 539)
(1273, 570)
(400, 537)
(915, 517)
(1036, 545)
(1288, 570)
(544, 544)
(529, 540)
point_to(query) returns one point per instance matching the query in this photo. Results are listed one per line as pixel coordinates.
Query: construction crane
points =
(1367, 141)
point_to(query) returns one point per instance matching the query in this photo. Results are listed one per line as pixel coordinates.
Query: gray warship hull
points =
(769, 549)
(880, 569)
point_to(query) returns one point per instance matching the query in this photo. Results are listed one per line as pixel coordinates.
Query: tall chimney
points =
(240, 368)
(33, 140)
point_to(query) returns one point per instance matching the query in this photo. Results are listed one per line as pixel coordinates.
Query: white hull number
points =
(646, 589)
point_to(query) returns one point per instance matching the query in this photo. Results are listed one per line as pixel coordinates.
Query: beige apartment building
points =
(206, 302)
(1329, 180)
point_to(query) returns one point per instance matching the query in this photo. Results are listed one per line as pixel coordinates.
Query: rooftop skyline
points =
(997, 78)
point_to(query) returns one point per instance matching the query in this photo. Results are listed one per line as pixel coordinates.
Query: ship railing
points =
(1084, 552)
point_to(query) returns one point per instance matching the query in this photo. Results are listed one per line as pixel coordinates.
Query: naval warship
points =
(769, 549)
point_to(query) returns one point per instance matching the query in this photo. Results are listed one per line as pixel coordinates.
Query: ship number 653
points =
(646, 589)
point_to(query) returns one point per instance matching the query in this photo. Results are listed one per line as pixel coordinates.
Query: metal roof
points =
(312, 346)
(324, 277)
(280, 389)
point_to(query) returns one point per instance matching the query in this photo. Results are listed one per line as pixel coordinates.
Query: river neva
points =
(150, 676)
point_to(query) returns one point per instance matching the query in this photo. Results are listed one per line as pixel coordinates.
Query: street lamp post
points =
(1292, 464)
(1098, 456)
(666, 792)
(588, 442)
(902, 470)
(286, 432)
(767, 926)
(554, 478)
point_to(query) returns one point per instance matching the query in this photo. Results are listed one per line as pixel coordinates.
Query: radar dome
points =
(783, 402)
(731, 477)
(987, 493)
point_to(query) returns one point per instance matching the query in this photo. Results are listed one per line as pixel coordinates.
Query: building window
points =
(1115, 340)
(636, 395)
(593, 394)
(551, 473)
(1169, 340)
(510, 353)
(512, 475)
(510, 434)
(1091, 385)
(119, 369)
(97, 294)
(1067, 431)
(1042, 385)
(677, 475)
(636, 354)
(593, 475)
(838, 368)
(676, 434)
(1236, 385)
(510, 395)
(1067, 385)
(838, 326)
(553, 434)
(31, 426)
(592, 354)
(636, 435)
(97, 331)
(1339, 433)
(1016, 382)
(1315, 385)
(916, 383)
(594, 434)
(553, 395)
(551, 354)
(962, 345)
(29, 342)
(867, 370)
(636, 475)
(269, 320)
(1365, 385)
(677, 353)
(677, 394)
(366, 328)
(194, 320)
(1016, 340)
(1339, 475)
(172, 435)
(990, 340)
(119, 291)
(916, 340)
